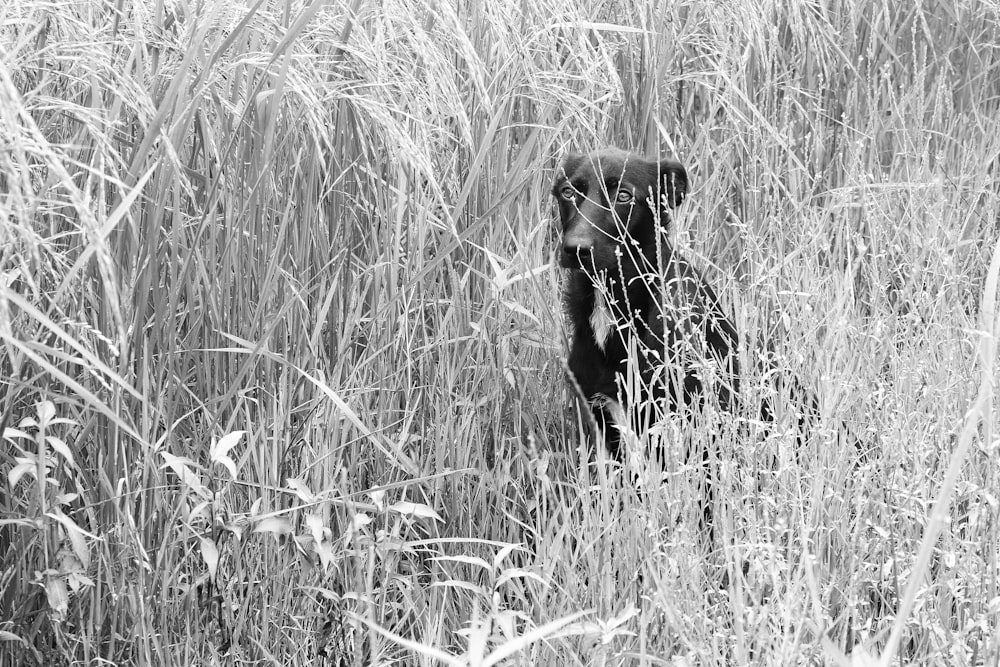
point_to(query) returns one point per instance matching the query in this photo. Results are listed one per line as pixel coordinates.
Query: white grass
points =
(328, 225)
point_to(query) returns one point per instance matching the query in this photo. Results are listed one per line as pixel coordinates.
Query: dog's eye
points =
(567, 192)
(624, 196)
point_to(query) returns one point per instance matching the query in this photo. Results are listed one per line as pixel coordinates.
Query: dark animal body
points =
(631, 298)
(636, 304)
(639, 311)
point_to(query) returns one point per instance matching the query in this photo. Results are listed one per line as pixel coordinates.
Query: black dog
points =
(635, 304)
(631, 298)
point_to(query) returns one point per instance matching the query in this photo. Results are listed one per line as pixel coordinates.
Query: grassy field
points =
(282, 371)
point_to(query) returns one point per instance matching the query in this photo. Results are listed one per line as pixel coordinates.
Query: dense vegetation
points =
(281, 349)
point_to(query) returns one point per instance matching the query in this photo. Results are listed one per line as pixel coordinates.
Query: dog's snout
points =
(577, 250)
(576, 255)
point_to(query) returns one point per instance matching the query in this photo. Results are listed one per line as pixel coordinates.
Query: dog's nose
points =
(576, 255)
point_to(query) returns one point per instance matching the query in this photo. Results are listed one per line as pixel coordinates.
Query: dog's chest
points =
(602, 322)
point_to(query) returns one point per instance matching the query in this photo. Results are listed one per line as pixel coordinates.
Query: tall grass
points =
(281, 374)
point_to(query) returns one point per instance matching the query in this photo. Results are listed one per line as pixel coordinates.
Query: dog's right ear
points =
(674, 181)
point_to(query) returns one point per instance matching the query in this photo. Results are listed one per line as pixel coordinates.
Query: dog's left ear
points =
(674, 181)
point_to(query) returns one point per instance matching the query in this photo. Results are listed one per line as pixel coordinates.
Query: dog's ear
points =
(569, 166)
(674, 181)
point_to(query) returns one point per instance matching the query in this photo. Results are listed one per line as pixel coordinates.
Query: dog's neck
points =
(616, 304)
(617, 289)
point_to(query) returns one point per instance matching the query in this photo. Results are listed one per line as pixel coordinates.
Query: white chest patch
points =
(601, 320)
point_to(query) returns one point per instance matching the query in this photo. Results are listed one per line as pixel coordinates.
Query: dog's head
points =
(611, 205)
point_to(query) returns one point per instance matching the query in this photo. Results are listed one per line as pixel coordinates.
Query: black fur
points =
(614, 208)
(661, 314)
